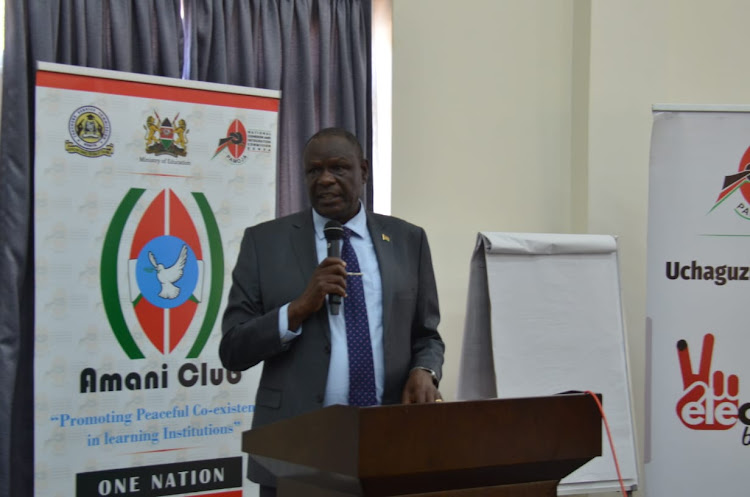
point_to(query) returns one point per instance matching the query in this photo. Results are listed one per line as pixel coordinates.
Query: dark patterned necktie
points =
(361, 372)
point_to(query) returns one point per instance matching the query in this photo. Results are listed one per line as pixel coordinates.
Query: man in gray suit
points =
(277, 312)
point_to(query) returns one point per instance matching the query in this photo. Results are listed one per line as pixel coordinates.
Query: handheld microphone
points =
(334, 232)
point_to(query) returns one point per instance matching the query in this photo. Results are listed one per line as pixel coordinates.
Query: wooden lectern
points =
(490, 448)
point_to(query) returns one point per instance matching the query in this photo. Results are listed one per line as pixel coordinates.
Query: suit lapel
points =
(387, 262)
(302, 240)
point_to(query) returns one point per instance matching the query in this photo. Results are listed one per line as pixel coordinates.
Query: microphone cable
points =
(611, 444)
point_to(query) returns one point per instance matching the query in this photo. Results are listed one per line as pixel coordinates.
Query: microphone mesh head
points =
(333, 231)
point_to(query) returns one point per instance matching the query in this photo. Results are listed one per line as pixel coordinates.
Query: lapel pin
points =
(386, 238)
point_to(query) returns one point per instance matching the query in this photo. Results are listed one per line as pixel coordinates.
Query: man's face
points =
(334, 174)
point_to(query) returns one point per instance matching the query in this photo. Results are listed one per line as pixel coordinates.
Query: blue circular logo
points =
(167, 272)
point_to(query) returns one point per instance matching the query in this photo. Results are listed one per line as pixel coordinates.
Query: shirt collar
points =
(358, 224)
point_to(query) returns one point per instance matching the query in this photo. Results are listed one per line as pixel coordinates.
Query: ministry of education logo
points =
(90, 131)
(165, 137)
(174, 272)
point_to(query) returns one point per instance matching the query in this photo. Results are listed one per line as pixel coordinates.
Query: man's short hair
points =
(341, 133)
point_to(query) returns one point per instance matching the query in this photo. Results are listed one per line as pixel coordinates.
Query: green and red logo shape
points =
(166, 272)
(737, 181)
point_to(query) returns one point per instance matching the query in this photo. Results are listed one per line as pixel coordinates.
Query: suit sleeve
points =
(250, 331)
(427, 346)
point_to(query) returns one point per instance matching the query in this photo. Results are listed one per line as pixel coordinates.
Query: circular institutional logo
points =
(166, 271)
(89, 127)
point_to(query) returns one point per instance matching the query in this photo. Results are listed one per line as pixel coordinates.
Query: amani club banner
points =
(698, 399)
(143, 187)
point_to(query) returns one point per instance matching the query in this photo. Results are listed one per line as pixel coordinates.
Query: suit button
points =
(319, 398)
(328, 349)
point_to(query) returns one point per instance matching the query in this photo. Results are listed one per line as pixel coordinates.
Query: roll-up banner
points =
(697, 398)
(143, 187)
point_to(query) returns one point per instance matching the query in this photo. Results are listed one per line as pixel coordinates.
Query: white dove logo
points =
(167, 276)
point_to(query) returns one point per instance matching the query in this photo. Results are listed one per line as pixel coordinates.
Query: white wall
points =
(535, 115)
(481, 130)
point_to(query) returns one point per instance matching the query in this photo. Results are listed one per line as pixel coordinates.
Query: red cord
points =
(611, 444)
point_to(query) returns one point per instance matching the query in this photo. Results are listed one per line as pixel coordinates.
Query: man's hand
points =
(420, 389)
(328, 278)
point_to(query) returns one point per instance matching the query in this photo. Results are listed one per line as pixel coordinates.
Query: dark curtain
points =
(317, 52)
(141, 36)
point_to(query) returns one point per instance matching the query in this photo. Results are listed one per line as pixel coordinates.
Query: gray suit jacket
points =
(274, 266)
